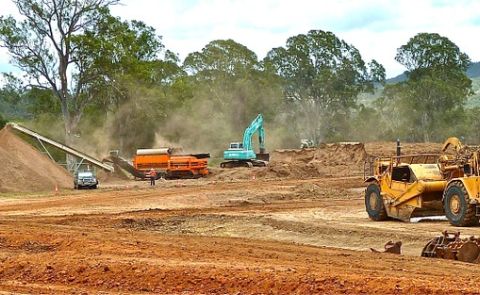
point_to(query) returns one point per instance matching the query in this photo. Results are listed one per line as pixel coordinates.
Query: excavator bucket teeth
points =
(468, 252)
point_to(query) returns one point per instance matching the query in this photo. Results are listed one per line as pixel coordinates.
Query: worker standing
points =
(153, 176)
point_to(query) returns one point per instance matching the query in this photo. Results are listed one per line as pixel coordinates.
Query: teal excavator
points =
(241, 154)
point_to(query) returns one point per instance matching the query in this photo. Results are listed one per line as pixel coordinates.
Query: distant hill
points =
(473, 71)
(474, 100)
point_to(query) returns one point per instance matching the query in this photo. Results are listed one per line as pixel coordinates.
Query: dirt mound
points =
(327, 159)
(25, 169)
(332, 159)
(388, 149)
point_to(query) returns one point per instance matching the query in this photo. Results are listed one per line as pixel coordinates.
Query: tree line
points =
(91, 77)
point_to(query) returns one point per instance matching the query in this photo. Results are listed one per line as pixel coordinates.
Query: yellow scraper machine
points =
(406, 186)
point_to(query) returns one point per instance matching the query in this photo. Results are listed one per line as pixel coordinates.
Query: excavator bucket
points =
(263, 157)
(390, 247)
(451, 246)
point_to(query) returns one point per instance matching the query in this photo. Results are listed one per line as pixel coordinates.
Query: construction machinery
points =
(390, 247)
(82, 158)
(241, 154)
(406, 186)
(165, 162)
(307, 143)
(450, 246)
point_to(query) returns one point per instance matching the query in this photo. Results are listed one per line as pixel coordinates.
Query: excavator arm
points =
(256, 125)
(453, 142)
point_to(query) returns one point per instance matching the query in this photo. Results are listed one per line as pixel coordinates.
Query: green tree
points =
(322, 78)
(221, 58)
(132, 60)
(2, 121)
(42, 46)
(428, 51)
(431, 102)
(75, 49)
(116, 52)
(10, 98)
(228, 89)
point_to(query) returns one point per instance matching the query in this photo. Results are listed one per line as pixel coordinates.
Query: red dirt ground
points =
(258, 231)
(244, 237)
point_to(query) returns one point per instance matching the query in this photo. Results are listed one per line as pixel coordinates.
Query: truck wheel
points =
(374, 203)
(456, 203)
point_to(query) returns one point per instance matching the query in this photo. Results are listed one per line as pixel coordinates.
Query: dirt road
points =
(203, 236)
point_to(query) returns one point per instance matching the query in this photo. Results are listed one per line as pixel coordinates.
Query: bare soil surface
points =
(387, 149)
(298, 226)
(24, 168)
(204, 236)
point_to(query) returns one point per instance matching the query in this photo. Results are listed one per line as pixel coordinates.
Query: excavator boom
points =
(242, 154)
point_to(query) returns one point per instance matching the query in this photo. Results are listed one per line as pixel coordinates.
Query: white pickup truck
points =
(85, 179)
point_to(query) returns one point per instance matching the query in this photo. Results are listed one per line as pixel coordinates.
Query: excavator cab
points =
(236, 146)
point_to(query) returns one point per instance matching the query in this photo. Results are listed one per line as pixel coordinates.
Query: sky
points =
(375, 27)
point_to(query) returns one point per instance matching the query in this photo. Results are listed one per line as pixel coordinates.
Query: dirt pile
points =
(388, 149)
(332, 159)
(25, 169)
(343, 159)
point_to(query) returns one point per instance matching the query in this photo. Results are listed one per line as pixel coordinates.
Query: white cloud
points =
(376, 27)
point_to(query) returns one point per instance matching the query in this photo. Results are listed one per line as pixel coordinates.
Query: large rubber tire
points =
(456, 203)
(374, 203)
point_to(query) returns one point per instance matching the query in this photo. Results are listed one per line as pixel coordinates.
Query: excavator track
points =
(243, 163)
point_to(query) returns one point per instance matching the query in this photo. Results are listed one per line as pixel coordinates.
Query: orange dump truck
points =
(171, 165)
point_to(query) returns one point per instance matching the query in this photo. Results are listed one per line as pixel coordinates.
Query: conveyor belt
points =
(69, 150)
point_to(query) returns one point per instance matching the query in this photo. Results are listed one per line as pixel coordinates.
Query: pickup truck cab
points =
(85, 179)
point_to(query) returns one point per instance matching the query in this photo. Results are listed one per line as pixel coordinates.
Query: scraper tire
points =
(374, 203)
(456, 203)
